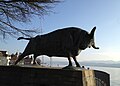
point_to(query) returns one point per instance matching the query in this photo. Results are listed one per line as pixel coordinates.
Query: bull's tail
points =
(23, 38)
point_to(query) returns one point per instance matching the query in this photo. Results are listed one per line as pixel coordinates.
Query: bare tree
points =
(21, 11)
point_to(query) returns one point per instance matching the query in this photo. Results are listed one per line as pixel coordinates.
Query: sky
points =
(85, 14)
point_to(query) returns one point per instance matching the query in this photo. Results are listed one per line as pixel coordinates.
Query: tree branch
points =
(21, 11)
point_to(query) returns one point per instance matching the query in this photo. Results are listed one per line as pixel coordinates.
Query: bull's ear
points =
(92, 32)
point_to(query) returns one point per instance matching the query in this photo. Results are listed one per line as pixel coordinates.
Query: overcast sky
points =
(104, 14)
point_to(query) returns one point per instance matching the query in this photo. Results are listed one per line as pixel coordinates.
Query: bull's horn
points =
(92, 37)
(92, 32)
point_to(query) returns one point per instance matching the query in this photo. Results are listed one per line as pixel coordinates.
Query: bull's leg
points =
(70, 62)
(20, 58)
(77, 64)
(34, 59)
(34, 62)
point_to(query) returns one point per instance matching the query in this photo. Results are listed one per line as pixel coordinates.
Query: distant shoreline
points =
(103, 64)
(92, 63)
(112, 66)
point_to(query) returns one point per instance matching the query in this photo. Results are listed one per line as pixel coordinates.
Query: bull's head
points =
(92, 43)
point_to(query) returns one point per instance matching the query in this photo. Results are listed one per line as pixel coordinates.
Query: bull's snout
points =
(95, 47)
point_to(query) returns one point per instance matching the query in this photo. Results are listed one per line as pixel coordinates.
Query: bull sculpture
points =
(67, 42)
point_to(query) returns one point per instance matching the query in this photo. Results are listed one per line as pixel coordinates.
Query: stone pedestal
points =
(34, 76)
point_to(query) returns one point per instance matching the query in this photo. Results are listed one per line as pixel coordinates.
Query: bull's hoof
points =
(72, 68)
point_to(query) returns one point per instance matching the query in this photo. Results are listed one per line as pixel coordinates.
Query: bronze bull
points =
(65, 42)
